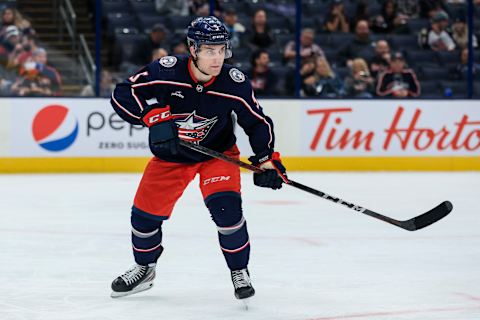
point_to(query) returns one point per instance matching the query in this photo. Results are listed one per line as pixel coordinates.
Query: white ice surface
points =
(64, 238)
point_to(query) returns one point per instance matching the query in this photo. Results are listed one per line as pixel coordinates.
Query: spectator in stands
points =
(384, 22)
(460, 33)
(361, 13)
(381, 60)
(390, 20)
(29, 45)
(262, 78)
(307, 70)
(159, 53)
(158, 39)
(429, 8)
(324, 82)
(398, 81)
(107, 85)
(308, 49)
(409, 9)
(235, 28)
(261, 36)
(172, 7)
(359, 47)
(31, 82)
(460, 71)
(10, 47)
(201, 8)
(39, 56)
(336, 20)
(179, 47)
(360, 84)
(11, 17)
(438, 37)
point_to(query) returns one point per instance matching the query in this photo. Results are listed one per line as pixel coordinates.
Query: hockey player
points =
(193, 98)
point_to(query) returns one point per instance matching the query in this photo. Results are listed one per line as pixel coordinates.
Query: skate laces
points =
(240, 278)
(134, 274)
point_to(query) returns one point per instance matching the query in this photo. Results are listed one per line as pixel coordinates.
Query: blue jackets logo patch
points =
(237, 75)
(193, 128)
(168, 61)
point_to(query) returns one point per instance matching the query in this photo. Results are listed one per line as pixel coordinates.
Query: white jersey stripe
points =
(180, 84)
(124, 109)
(136, 99)
(249, 108)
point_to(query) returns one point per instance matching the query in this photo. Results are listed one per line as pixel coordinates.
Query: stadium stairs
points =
(52, 35)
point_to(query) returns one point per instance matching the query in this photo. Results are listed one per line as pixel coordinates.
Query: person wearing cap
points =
(158, 38)
(11, 17)
(398, 81)
(10, 47)
(40, 57)
(438, 37)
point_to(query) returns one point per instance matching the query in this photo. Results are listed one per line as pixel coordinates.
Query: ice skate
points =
(242, 284)
(138, 278)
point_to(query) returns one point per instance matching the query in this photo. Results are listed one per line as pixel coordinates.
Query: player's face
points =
(211, 57)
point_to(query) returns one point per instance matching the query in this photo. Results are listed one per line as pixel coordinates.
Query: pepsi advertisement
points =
(73, 128)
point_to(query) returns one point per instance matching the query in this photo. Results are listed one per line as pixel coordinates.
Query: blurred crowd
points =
(353, 49)
(24, 69)
(348, 48)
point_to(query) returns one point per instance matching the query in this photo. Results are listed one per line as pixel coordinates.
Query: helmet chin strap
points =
(194, 59)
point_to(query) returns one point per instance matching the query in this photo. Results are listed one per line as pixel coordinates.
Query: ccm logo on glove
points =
(157, 115)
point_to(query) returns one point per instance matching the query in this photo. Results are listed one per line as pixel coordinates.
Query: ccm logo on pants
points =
(215, 179)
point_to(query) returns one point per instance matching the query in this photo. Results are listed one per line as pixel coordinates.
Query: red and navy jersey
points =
(202, 111)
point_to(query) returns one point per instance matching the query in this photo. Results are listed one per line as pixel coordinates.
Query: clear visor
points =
(210, 51)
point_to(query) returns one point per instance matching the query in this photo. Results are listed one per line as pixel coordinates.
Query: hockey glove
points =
(274, 173)
(163, 132)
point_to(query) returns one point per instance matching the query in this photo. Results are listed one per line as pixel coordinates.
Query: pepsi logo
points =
(55, 128)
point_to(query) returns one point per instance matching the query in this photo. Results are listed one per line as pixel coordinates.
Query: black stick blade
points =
(429, 217)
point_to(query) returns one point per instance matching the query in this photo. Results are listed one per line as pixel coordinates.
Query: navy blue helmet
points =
(208, 30)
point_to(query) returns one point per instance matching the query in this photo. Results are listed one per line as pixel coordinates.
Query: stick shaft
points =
(413, 224)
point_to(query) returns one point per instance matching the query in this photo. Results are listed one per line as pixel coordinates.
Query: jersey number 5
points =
(134, 78)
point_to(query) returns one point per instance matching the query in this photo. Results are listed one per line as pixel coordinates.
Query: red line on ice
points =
(394, 313)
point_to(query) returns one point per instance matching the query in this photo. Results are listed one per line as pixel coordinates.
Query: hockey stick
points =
(416, 223)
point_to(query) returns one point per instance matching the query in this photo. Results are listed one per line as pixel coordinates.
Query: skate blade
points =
(140, 288)
(246, 303)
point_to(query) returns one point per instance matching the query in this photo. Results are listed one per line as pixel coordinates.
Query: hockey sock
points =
(146, 239)
(226, 211)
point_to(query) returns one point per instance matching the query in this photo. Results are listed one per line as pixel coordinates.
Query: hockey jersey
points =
(202, 111)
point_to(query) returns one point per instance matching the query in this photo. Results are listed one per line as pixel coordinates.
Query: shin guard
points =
(226, 211)
(146, 239)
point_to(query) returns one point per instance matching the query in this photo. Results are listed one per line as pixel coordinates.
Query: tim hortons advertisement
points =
(72, 128)
(40, 127)
(391, 128)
